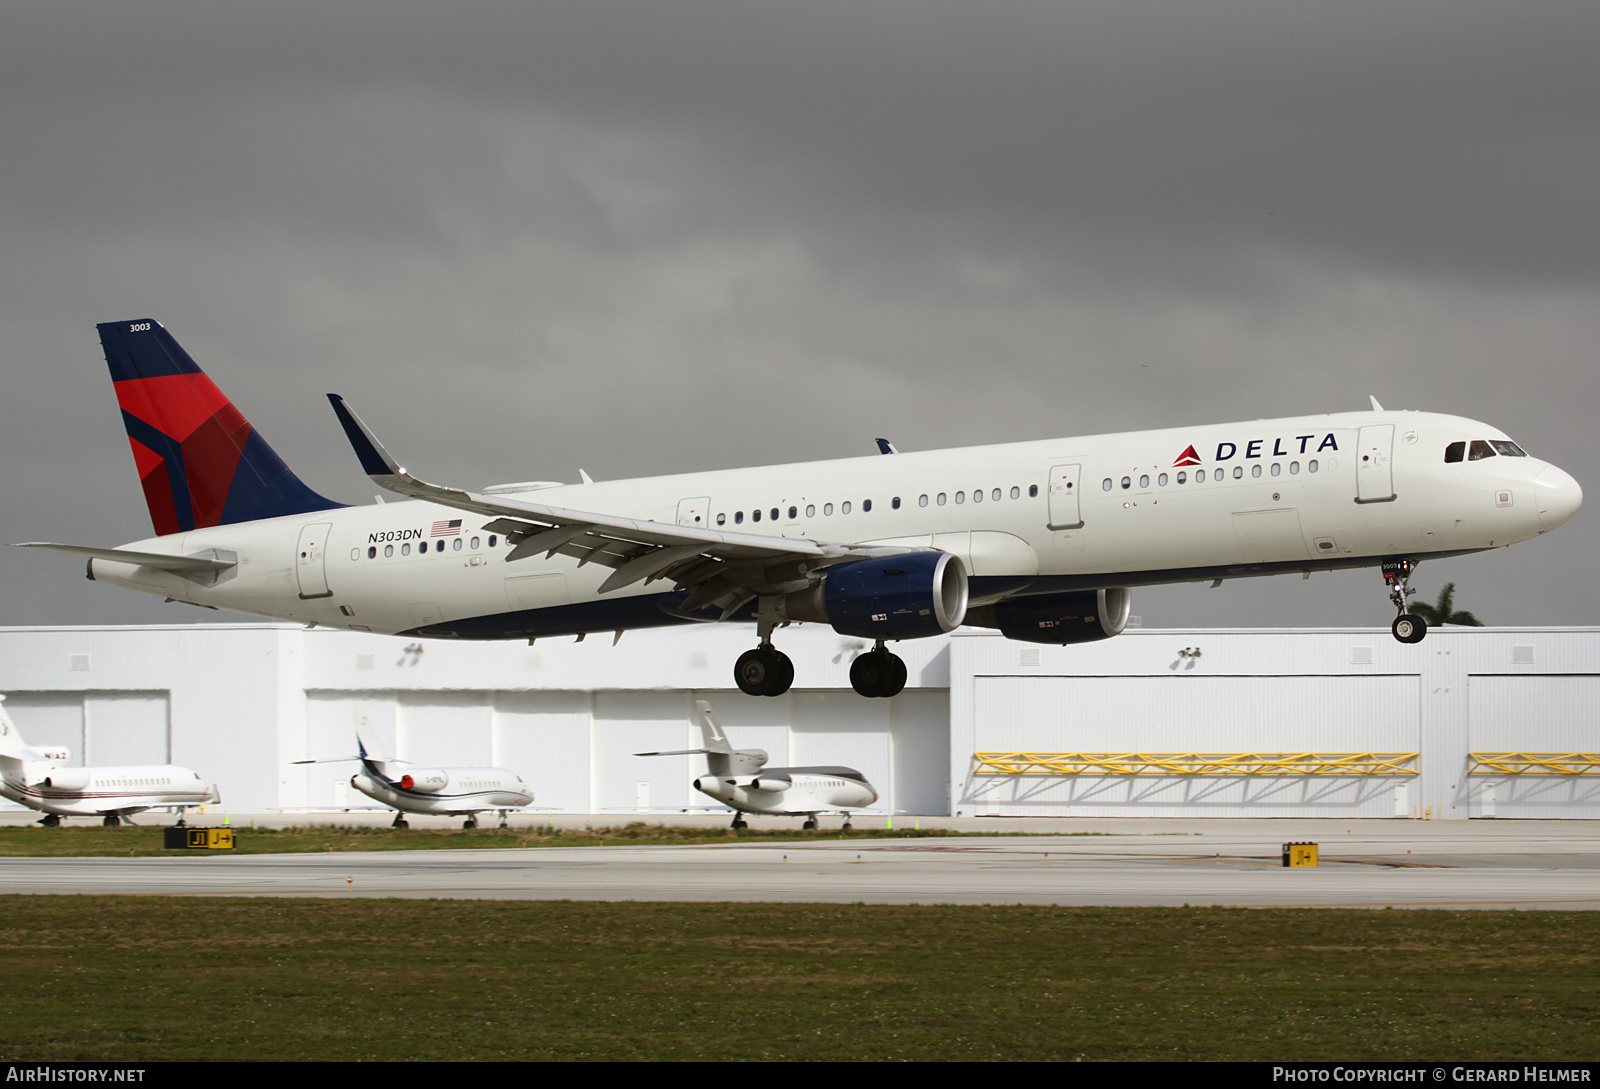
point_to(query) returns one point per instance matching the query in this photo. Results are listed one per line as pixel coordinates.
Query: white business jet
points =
(40, 779)
(1042, 540)
(740, 779)
(436, 792)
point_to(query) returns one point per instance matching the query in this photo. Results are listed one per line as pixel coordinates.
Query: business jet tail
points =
(200, 461)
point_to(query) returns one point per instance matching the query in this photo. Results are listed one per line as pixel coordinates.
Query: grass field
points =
(83, 841)
(129, 979)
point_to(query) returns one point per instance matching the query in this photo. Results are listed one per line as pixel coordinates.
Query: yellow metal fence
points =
(1195, 763)
(1534, 763)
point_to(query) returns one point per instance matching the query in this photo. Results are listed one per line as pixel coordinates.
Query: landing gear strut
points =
(877, 673)
(766, 670)
(1407, 627)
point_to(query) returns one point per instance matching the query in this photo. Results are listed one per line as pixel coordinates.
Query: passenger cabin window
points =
(866, 506)
(738, 517)
(1479, 450)
(1456, 451)
(1033, 491)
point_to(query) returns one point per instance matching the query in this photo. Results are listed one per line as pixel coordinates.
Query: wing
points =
(717, 567)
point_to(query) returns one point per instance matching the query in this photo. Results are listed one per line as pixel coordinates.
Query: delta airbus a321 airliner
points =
(1042, 540)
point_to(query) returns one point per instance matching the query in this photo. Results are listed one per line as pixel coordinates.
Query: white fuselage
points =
(443, 791)
(89, 792)
(1317, 492)
(809, 791)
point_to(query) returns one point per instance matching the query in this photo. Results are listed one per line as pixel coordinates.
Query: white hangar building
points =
(1472, 722)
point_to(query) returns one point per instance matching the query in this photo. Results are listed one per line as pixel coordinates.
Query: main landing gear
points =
(877, 673)
(1407, 627)
(51, 820)
(400, 821)
(764, 671)
(471, 821)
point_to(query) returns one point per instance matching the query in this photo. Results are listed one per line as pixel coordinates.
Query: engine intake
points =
(425, 781)
(910, 596)
(1083, 616)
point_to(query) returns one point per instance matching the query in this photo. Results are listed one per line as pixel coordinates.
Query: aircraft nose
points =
(1559, 497)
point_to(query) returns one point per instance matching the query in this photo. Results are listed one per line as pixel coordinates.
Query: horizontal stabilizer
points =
(680, 752)
(179, 565)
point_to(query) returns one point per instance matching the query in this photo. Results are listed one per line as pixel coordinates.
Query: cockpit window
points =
(1455, 452)
(1508, 448)
(1480, 450)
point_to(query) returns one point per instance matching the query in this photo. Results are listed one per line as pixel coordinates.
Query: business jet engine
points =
(908, 596)
(425, 780)
(1083, 616)
(67, 779)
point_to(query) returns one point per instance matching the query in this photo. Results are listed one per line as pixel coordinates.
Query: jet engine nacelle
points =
(67, 779)
(1079, 617)
(909, 596)
(425, 780)
(707, 784)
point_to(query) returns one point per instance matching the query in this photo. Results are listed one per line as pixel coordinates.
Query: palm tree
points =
(1444, 612)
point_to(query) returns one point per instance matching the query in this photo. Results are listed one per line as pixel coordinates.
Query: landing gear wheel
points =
(400, 822)
(878, 674)
(846, 825)
(1409, 628)
(51, 820)
(810, 825)
(739, 822)
(470, 822)
(763, 672)
(111, 821)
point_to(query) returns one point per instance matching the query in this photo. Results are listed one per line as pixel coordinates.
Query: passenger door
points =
(1064, 508)
(310, 567)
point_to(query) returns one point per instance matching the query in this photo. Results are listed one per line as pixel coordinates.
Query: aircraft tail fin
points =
(12, 747)
(200, 461)
(716, 740)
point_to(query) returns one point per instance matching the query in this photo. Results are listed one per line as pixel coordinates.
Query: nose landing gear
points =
(877, 673)
(1407, 627)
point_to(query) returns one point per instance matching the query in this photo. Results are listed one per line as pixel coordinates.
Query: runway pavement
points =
(1551, 865)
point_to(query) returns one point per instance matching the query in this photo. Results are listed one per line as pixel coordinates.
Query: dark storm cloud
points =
(649, 237)
(1446, 137)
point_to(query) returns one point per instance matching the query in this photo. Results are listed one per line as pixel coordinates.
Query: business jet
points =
(437, 792)
(740, 779)
(39, 779)
(1042, 540)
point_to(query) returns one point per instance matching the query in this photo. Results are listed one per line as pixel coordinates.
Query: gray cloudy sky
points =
(658, 236)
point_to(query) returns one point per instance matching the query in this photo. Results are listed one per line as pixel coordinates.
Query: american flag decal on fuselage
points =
(450, 528)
